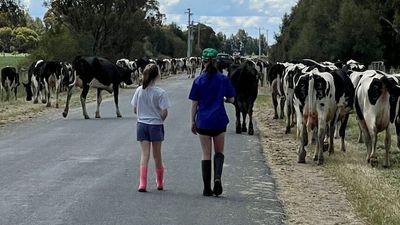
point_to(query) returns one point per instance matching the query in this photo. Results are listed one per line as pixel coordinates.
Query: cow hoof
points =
(44, 101)
(119, 115)
(275, 117)
(302, 157)
(238, 130)
(244, 129)
(251, 132)
(325, 146)
(287, 131)
(35, 102)
(97, 116)
(315, 158)
(373, 161)
(86, 117)
(65, 114)
(301, 161)
(320, 161)
(48, 104)
(385, 166)
(57, 105)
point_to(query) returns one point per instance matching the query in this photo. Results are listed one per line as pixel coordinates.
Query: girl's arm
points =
(164, 114)
(134, 110)
(193, 116)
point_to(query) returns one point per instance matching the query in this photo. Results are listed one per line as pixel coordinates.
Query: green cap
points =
(209, 53)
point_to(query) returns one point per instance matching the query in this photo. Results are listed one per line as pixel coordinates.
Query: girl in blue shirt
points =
(209, 118)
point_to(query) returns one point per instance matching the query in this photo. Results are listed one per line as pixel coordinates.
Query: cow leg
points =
(360, 134)
(69, 94)
(47, 91)
(319, 153)
(293, 118)
(99, 99)
(116, 91)
(387, 147)
(288, 111)
(301, 153)
(331, 129)
(337, 128)
(58, 90)
(35, 91)
(367, 137)
(15, 92)
(238, 126)
(373, 158)
(342, 131)
(275, 103)
(7, 89)
(244, 125)
(83, 100)
(282, 105)
(251, 129)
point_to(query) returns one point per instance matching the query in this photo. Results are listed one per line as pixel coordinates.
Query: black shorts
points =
(211, 132)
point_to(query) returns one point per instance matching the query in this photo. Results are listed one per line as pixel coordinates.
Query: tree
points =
(108, 27)
(24, 39)
(11, 14)
(5, 39)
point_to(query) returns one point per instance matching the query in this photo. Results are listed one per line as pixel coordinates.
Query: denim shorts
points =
(211, 132)
(149, 132)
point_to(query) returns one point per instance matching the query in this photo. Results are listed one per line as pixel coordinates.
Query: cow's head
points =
(28, 90)
(126, 75)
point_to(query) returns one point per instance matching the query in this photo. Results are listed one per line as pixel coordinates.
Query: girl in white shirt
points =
(151, 104)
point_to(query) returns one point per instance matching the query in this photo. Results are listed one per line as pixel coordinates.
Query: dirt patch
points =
(308, 194)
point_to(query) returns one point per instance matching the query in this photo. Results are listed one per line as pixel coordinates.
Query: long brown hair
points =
(150, 73)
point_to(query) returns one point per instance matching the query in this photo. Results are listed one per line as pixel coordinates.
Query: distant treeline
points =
(364, 30)
(110, 28)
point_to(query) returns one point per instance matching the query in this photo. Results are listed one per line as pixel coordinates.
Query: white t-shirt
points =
(149, 102)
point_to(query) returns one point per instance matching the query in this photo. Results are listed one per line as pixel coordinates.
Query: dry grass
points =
(20, 110)
(374, 193)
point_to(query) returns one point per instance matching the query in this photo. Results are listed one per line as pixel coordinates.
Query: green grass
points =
(373, 192)
(19, 61)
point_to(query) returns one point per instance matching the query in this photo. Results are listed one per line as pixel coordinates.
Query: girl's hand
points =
(194, 130)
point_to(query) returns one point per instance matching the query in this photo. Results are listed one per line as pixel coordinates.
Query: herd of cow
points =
(319, 97)
(45, 77)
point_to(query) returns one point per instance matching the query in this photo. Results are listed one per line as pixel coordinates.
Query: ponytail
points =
(211, 68)
(150, 73)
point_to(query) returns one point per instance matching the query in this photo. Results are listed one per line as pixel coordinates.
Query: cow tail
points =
(75, 77)
(310, 110)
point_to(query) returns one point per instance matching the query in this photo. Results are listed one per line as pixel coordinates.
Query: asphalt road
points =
(76, 171)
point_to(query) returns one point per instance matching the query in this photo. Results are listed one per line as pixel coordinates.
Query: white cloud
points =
(240, 2)
(166, 4)
(26, 3)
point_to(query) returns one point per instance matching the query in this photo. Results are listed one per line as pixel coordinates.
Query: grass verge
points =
(373, 192)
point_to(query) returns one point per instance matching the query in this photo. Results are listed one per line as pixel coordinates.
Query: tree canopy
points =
(340, 30)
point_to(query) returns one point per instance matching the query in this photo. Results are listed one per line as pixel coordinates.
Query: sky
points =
(227, 16)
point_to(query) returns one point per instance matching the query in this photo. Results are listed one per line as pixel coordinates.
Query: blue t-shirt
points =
(210, 95)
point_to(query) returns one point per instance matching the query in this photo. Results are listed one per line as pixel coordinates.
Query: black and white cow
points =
(376, 104)
(191, 65)
(291, 75)
(130, 65)
(320, 100)
(274, 77)
(46, 74)
(32, 88)
(245, 82)
(9, 81)
(99, 73)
